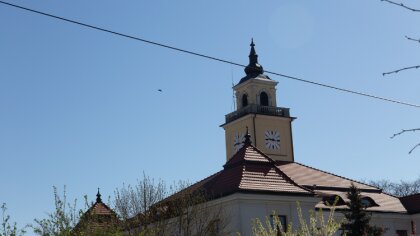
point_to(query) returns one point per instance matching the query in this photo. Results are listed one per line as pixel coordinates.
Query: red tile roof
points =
(412, 203)
(100, 208)
(249, 170)
(385, 202)
(98, 217)
(327, 183)
(309, 176)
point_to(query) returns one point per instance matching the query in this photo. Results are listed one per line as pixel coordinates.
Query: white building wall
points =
(416, 219)
(392, 222)
(244, 208)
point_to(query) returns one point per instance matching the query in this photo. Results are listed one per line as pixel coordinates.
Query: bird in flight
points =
(160, 90)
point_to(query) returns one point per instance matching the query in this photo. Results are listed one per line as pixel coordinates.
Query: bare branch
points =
(401, 5)
(417, 145)
(404, 131)
(396, 71)
(412, 39)
(408, 130)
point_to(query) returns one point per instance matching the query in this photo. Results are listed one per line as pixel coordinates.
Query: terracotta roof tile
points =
(267, 178)
(249, 170)
(331, 184)
(100, 209)
(412, 203)
(386, 203)
(98, 217)
(309, 176)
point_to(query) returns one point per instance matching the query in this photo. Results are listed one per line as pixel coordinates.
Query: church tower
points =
(269, 126)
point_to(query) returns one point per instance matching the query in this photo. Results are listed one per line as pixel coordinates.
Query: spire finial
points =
(98, 197)
(247, 140)
(253, 67)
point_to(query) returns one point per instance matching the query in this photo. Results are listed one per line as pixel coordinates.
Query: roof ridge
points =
(190, 187)
(355, 181)
(411, 195)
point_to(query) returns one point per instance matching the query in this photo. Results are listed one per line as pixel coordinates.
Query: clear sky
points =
(81, 108)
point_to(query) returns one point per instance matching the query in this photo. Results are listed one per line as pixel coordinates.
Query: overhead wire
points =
(209, 57)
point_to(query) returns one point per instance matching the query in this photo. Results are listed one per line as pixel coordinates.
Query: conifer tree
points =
(357, 217)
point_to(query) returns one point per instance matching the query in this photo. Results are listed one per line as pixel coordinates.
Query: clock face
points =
(272, 139)
(238, 141)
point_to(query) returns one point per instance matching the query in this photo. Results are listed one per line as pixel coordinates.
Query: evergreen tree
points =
(357, 217)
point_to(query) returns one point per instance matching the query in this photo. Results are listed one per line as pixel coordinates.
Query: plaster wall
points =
(257, 126)
(244, 208)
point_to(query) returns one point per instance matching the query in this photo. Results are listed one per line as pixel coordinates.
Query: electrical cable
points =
(210, 57)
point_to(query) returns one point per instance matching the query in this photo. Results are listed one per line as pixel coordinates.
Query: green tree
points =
(317, 225)
(357, 217)
(8, 228)
(62, 220)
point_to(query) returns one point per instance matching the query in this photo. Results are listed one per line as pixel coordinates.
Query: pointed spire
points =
(252, 52)
(98, 197)
(253, 67)
(247, 140)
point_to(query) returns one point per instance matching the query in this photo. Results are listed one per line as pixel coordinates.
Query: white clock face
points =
(238, 141)
(272, 139)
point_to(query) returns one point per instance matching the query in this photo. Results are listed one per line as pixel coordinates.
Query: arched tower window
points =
(244, 100)
(263, 99)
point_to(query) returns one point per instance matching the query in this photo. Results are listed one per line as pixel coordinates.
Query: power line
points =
(210, 57)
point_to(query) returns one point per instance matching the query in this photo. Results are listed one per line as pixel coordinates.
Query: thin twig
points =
(404, 131)
(396, 71)
(408, 130)
(417, 145)
(412, 39)
(401, 5)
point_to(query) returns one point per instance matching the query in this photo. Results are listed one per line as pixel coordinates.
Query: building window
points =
(365, 202)
(282, 220)
(263, 99)
(244, 100)
(401, 233)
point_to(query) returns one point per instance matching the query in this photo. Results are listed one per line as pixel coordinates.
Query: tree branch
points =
(408, 130)
(401, 5)
(405, 68)
(412, 39)
(417, 145)
(404, 131)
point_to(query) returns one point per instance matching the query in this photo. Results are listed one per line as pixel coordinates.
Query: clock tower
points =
(269, 126)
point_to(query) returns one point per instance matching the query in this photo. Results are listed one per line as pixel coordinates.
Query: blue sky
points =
(81, 108)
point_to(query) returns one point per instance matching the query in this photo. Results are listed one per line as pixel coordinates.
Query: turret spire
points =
(98, 197)
(253, 67)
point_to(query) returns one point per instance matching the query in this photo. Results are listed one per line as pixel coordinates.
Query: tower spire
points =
(98, 197)
(253, 67)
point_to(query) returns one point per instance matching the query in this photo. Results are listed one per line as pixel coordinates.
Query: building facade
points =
(261, 175)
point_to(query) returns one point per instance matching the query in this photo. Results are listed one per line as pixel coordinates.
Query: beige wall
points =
(257, 126)
(253, 88)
